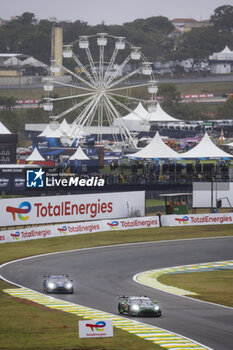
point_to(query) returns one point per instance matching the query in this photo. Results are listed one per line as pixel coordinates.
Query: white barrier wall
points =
(113, 225)
(206, 194)
(81, 207)
(77, 228)
(197, 219)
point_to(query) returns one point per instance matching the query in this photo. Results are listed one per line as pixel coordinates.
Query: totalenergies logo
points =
(63, 230)
(114, 224)
(24, 208)
(98, 326)
(184, 220)
(15, 235)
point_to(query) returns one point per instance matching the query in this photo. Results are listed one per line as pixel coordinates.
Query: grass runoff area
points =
(27, 325)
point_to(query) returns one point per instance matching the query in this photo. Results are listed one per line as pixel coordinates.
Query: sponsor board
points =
(54, 209)
(76, 228)
(197, 219)
(95, 329)
(112, 225)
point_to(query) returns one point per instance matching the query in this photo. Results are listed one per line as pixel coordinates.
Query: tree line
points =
(27, 35)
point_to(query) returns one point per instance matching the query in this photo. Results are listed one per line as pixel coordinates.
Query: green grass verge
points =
(26, 325)
(11, 251)
(213, 286)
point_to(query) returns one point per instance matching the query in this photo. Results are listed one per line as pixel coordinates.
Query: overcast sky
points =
(111, 11)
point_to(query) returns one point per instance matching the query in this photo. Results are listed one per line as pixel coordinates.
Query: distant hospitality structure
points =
(221, 62)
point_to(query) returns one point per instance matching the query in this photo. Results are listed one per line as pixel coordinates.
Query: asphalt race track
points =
(100, 274)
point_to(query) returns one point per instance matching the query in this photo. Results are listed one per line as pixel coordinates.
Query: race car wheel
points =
(120, 309)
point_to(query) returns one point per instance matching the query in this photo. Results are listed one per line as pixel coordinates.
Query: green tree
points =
(223, 18)
(170, 94)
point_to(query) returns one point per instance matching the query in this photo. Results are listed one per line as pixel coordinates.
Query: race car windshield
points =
(140, 301)
(59, 277)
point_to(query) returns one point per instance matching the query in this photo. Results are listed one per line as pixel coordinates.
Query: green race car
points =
(138, 306)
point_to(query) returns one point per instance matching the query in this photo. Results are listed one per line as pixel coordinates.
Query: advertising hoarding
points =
(77, 228)
(197, 219)
(54, 209)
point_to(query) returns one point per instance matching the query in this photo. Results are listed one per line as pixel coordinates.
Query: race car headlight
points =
(51, 285)
(156, 307)
(69, 285)
(135, 307)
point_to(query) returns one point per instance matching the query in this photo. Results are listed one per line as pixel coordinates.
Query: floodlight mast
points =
(100, 83)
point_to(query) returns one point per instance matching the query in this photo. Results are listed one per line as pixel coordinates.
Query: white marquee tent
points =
(35, 156)
(225, 55)
(3, 129)
(49, 132)
(12, 61)
(156, 149)
(206, 149)
(65, 126)
(79, 155)
(229, 144)
(159, 115)
(135, 119)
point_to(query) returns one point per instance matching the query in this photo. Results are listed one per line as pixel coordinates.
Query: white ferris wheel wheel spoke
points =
(122, 127)
(118, 71)
(78, 77)
(77, 105)
(126, 97)
(73, 86)
(92, 65)
(70, 97)
(111, 65)
(125, 107)
(125, 77)
(85, 71)
(131, 86)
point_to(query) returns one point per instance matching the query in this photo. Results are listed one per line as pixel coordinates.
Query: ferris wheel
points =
(104, 72)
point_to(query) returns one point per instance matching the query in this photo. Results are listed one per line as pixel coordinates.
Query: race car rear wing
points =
(122, 296)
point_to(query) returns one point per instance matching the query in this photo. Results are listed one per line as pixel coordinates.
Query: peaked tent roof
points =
(156, 149)
(225, 54)
(79, 155)
(65, 127)
(133, 120)
(12, 61)
(35, 156)
(49, 132)
(206, 149)
(159, 115)
(226, 50)
(139, 113)
(3, 129)
(31, 61)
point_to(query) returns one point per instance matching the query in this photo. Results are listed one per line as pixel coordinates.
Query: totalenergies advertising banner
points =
(197, 219)
(66, 229)
(52, 209)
